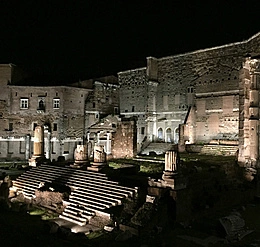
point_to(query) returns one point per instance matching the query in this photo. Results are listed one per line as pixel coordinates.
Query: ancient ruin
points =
(80, 156)
(202, 102)
(100, 159)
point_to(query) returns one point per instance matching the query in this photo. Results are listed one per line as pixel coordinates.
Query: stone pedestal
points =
(38, 146)
(80, 156)
(100, 160)
(170, 178)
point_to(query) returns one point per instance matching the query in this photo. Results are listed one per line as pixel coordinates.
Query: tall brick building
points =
(65, 112)
(212, 93)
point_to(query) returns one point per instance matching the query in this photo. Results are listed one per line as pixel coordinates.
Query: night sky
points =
(75, 40)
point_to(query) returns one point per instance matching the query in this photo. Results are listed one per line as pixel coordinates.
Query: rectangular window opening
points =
(55, 127)
(24, 103)
(56, 103)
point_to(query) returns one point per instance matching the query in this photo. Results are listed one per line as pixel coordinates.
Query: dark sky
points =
(83, 39)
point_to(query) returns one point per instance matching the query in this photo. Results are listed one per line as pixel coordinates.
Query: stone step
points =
(91, 193)
(21, 186)
(76, 206)
(108, 191)
(96, 193)
(92, 201)
(69, 177)
(73, 170)
(71, 220)
(82, 182)
(76, 217)
(75, 211)
(87, 204)
(88, 196)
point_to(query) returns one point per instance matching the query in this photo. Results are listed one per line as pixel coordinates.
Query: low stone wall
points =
(213, 149)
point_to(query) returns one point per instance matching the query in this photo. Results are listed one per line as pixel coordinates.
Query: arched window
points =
(160, 134)
(176, 135)
(168, 135)
(41, 104)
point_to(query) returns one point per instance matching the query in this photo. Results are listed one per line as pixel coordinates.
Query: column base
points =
(97, 166)
(36, 160)
(80, 164)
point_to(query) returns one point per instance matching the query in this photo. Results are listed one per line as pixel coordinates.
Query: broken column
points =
(171, 165)
(100, 160)
(38, 146)
(170, 178)
(80, 156)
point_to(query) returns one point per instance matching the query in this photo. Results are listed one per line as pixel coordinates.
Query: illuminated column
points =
(170, 169)
(80, 156)
(48, 145)
(27, 146)
(100, 160)
(38, 144)
(108, 143)
(98, 138)
(171, 161)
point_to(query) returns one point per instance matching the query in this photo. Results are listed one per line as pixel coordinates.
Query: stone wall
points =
(63, 122)
(133, 99)
(124, 139)
(206, 79)
(102, 101)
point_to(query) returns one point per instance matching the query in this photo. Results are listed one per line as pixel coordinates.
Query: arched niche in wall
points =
(176, 135)
(160, 134)
(168, 136)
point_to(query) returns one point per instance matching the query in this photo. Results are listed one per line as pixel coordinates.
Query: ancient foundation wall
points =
(124, 140)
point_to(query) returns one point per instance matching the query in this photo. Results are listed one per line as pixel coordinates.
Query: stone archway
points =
(176, 135)
(160, 134)
(168, 136)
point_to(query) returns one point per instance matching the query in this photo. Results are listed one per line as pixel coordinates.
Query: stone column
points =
(171, 166)
(80, 156)
(100, 160)
(108, 143)
(38, 145)
(48, 145)
(27, 147)
(98, 134)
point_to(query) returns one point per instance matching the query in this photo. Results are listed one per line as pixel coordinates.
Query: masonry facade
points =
(201, 97)
(206, 92)
(63, 111)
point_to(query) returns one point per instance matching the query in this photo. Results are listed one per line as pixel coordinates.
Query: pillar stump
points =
(80, 156)
(100, 160)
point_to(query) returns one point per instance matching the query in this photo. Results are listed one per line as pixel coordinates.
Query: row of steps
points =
(157, 147)
(228, 150)
(91, 192)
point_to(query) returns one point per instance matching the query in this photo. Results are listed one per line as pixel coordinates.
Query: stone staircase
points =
(92, 193)
(157, 147)
(215, 149)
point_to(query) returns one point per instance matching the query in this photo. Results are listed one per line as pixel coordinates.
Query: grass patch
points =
(151, 168)
(94, 235)
(37, 211)
(114, 165)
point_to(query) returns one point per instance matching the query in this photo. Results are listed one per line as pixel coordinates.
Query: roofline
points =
(130, 70)
(212, 48)
(41, 86)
